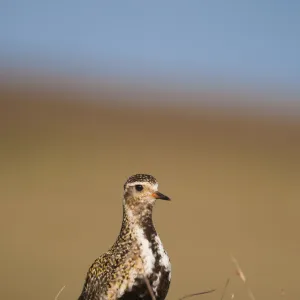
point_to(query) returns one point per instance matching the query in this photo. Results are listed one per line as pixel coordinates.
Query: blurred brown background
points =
(233, 176)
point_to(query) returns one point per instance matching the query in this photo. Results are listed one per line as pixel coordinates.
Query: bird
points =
(137, 266)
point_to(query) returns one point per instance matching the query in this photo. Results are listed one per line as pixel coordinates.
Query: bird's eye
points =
(139, 187)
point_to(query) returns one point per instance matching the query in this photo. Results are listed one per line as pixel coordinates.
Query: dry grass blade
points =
(149, 288)
(239, 271)
(241, 274)
(251, 296)
(225, 287)
(196, 294)
(56, 297)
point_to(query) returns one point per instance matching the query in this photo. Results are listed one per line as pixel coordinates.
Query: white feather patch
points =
(156, 283)
(147, 256)
(164, 260)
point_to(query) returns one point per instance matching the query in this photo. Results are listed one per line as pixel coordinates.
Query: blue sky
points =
(255, 42)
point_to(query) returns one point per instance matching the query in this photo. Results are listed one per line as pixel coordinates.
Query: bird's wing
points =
(95, 286)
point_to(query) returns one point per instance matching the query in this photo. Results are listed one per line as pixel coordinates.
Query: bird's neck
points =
(138, 218)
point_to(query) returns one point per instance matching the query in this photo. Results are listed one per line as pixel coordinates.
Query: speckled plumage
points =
(140, 178)
(137, 253)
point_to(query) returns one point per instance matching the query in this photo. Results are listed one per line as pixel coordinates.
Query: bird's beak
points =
(158, 195)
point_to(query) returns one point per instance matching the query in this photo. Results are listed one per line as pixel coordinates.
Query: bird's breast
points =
(155, 261)
(145, 259)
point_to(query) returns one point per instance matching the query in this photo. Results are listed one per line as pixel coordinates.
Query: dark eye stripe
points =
(139, 187)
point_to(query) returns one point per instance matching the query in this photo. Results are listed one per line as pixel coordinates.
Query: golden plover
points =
(137, 262)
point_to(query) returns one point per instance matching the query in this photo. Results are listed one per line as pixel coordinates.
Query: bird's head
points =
(141, 191)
